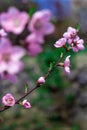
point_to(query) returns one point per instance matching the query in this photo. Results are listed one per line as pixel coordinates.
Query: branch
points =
(37, 85)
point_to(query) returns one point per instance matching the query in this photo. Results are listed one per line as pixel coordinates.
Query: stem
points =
(17, 102)
(37, 85)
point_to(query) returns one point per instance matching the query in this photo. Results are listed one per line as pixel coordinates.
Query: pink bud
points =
(26, 104)
(8, 100)
(67, 65)
(41, 80)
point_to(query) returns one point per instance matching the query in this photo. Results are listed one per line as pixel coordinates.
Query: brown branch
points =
(37, 85)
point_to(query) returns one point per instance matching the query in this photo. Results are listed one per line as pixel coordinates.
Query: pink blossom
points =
(14, 20)
(34, 49)
(73, 39)
(2, 33)
(78, 44)
(40, 23)
(60, 43)
(8, 100)
(67, 65)
(10, 57)
(33, 37)
(6, 76)
(70, 41)
(71, 33)
(33, 43)
(26, 104)
(41, 80)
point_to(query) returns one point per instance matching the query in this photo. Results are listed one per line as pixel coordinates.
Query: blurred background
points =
(60, 104)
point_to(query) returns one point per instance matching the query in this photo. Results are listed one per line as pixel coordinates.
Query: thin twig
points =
(37, 85)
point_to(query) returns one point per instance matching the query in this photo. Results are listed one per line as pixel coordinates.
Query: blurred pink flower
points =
(33, 37)
(34, 49)
(10, 58)
(8, 100)
(40, 23)
(33, 43)
(26, 104)
(60, 43)
(67, 65)
(14, 20)
(11, 77)
(2, 33)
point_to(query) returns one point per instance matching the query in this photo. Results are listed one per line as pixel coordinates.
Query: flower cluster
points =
(15, 21)
(39, 25)
(71, 37)
(74, 42)
(11, 55)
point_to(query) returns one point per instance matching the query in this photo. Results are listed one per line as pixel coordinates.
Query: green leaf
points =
(26, 88)
(32, 11)
(78, 27)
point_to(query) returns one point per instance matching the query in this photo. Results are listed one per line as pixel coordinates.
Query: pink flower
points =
(71, 33)
(8, 100)
(10, 57)
(41, 80)
(34, 49)
(14, 20)
(2, 33)
(73, 39)
(60, 43)
(67, 65)
(78, 44)
(33, 37)
(40, 23)
(7, 76)
(33, 43)
(26, 104)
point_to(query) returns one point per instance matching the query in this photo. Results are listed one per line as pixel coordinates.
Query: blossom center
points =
(9, 101)
(73, 35)
(6, 57)
(16, 22)
(37, 25)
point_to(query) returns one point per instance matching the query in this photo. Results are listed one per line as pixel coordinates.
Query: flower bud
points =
(41, 80)
(26, 104)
